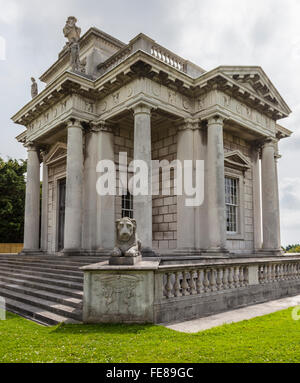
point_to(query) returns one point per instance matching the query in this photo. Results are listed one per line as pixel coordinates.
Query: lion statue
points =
(127, 243)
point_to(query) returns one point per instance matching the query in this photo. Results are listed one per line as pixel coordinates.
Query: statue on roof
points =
(34, 88)
(71, 31)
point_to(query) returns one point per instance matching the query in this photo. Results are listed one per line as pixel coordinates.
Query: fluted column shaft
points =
(32, 200)
(44, 218)
(185, 214)
(270, 203)
(142, 204)
(73, 212)
(215, 184)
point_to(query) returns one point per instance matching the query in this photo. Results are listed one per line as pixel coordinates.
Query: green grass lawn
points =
(272, 338)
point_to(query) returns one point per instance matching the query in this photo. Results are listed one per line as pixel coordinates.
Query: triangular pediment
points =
(236, 160)
(57, 153)
(256, 81)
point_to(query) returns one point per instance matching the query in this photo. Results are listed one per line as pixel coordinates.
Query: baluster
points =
(265, 275)
(206, 281)
(236, 277)
(272, 273)
(185, 285)
(212, 281)
(230, 277)
(200, 286)
(260, 274)
(242, 276)
(246, 276)
(177, 286)
(193, 290)
(219, 279)
(169, 286)
(225, 278)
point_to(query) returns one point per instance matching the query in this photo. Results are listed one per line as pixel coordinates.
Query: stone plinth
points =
(124, 261)
(119, 294)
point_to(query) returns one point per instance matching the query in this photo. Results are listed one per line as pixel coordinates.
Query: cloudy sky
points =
(207, 32)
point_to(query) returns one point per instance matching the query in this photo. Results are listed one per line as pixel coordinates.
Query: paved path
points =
(238, 315)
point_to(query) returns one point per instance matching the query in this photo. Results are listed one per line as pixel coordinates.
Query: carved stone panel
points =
(120, 297)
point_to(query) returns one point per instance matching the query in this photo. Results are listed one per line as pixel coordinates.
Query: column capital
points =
(188, 124)
(74, 123)
(101, 126)
(31, 146)
(142, 107)
(215, 119)
(269, 142)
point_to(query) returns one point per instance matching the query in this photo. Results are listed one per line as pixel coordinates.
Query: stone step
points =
(48, 275)
(38, 279)
(53, 266)
(56, 308)
(54, 288)
(43, 268)
(56, 260)
(54, 297)
(36, 314)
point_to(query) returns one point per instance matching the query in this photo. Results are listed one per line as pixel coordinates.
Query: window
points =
(127, 205)
(232, 204)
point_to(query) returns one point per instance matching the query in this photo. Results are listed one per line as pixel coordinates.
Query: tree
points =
(12, 200)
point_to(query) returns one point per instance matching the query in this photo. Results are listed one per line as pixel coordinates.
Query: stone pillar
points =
(185, 214)
(73, 213)
(32, 201)
(105, 203)
(89, 227)
(270, 204)
(44, 220)
(257, 199)
(142, 204)
(216, 213)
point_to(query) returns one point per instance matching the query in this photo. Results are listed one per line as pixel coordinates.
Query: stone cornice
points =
(141, 64)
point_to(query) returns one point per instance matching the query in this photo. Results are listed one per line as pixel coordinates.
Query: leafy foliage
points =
(293, 249)
(12, 200)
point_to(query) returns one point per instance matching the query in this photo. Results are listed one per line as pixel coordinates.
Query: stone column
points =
(216, 213)
(270, 204)
(142, 204)
(105, 203)
(32, 201)
(73, 213)
(185, 214)
(257, 199)
(44, 220)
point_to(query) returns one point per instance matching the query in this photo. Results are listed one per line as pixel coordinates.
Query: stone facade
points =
(144, 100)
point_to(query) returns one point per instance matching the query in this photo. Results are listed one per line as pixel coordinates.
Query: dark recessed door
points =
(61, 213)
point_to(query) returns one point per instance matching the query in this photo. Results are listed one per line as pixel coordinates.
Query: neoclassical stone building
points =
(103, 97)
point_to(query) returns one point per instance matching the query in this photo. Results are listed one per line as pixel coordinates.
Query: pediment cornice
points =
(235, 159)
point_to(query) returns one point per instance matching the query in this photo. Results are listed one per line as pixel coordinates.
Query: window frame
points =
(240, 234)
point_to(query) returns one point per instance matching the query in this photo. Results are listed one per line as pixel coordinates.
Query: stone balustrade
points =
(167, 57)
(276, 272)
(189, 280)
(204, 280)
(162, 292)
(144, 43)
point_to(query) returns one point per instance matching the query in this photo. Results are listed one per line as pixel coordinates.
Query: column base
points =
(72, 252)
(148, 252)
(32, 252)
(270, 252)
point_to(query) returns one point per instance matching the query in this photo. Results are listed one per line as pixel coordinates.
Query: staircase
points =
(45, 289)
